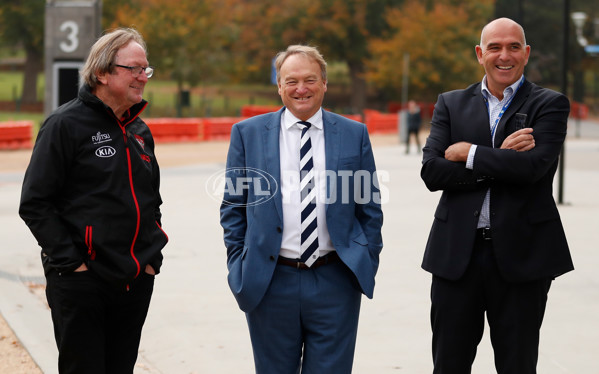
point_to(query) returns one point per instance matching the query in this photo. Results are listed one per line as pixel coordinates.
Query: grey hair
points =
(308, 51)
(104, 50)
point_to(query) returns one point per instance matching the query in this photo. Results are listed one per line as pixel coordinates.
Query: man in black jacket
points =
(497, 240)
(91, 199)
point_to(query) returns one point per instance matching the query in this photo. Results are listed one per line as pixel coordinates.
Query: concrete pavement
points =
(194, 325)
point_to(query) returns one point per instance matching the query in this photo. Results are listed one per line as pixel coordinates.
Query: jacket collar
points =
(88, 98)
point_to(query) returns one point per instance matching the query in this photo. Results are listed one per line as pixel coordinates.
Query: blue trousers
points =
(307, 322)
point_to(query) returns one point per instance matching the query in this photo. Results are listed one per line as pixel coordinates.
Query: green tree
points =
(22, 25)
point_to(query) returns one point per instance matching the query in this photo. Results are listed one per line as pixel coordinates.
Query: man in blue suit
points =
(302, 224)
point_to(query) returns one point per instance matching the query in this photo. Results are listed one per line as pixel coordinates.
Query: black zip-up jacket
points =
(91, 191)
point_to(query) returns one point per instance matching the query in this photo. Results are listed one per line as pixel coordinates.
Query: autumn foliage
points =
(193, 41)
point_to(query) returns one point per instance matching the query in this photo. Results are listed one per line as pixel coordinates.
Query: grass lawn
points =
(204, 101)
(37, 118)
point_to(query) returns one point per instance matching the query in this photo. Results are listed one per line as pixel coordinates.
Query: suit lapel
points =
(272, 154)
(479, 118)
(517, 102)
(332, 141)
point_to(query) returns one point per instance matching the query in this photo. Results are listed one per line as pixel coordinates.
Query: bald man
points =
(496, 241)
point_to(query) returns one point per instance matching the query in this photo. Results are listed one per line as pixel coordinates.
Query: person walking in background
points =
(300, 248)
(497, 241)
(91, 199)
(414, 121)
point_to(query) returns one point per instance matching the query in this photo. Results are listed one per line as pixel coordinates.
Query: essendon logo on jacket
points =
(105, 151)
(141, 141)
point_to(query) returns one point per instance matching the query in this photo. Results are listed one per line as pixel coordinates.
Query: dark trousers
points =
(413, 132)
(307, 322)
(97, 326)
(514, 312)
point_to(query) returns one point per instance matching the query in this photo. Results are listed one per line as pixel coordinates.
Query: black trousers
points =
(514, 311)
(97, 326)
(413, 132)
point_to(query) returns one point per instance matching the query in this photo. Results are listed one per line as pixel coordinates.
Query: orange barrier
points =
(16, 134)
(169, 130)
(377, 122)
(172, 130)
(426, 109)
(254, 110)
(579, 110)
(219, 128)
(355, 117)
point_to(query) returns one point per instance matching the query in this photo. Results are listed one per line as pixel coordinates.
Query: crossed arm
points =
(521, 141)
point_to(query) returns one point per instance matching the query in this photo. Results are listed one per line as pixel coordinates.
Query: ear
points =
(527, 50)
(325, 85)
(101, 77)
(479, 54)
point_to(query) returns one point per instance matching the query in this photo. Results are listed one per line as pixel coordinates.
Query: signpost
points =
(592, 49)
(71, 28)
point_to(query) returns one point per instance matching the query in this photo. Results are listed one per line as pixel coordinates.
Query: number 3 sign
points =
(72, 36)
(71, 28)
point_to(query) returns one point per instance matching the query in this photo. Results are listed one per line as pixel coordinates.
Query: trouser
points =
(413, 132)
(514, 312)
(97, 326)
(307, 322)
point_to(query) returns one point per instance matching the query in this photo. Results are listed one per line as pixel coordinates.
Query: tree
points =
(187, 41)
(341, 29)
(22, 25)
(440, 41)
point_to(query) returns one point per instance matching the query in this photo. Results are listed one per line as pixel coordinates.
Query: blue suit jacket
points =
(252, 215)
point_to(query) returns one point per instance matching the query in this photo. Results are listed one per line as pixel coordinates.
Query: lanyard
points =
(503, 109)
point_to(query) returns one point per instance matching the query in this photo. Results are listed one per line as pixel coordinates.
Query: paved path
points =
(194, 325)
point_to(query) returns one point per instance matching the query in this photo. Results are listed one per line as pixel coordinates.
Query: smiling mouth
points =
(303, 98)
(504, 67)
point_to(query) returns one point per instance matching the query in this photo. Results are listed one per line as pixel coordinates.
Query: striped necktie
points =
(309, 238)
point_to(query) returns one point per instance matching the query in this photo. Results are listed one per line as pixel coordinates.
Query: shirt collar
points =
(289, 119)
(509, 91)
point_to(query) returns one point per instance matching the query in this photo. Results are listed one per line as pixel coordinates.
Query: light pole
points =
(579, 18)
(566, 34)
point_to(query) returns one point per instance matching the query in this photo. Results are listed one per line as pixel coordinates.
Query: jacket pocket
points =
(361, 239)
(543, 215)
(349, 163)
(91, 252)
(164, 233)
(441, 213)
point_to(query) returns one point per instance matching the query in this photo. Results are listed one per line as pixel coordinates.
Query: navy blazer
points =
(252, 215)
(528, 237)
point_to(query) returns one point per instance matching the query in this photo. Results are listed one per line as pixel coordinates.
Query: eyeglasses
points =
(137, 70)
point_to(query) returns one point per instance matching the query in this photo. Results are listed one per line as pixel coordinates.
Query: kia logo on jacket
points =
(105, 151)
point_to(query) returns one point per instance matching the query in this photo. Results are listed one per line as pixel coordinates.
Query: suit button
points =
(272, 258)
(476, 213)
(279, 229)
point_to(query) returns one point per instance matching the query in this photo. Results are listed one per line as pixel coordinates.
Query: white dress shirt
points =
(289, 148)
(494, 107)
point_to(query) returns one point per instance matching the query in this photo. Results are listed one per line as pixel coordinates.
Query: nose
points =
(505, 53)
(301, 88)
(143, 77)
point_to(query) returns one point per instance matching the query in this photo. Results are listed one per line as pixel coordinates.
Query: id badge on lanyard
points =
(503, 109)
